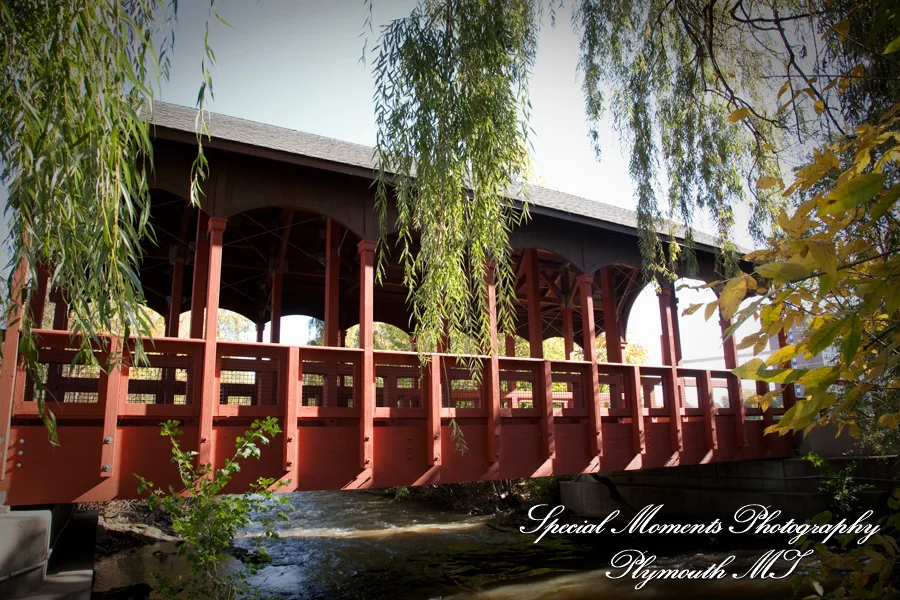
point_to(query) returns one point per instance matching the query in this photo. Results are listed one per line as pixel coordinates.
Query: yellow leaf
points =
(765, 183)
(858, 71)
(739, 114)
(826, 258)
(842, 28)
(820, 107)
(732, 295)
(782, 355)
(784, 88)
(891, 420)
(710, 309)
(852, 193)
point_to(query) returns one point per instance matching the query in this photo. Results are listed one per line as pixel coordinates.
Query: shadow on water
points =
(344, 545)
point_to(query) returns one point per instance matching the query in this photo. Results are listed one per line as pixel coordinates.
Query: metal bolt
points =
(21, 453)
(21, 440)
(1, 439)
(106, 468)
(18, 465)
(107, 439)
(289, 464)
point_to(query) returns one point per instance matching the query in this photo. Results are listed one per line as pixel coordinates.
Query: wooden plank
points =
(492, 375)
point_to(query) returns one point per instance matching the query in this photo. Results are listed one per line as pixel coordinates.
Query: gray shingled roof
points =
(181, 118)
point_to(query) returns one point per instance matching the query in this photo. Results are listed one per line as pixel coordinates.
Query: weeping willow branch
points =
(451, 110)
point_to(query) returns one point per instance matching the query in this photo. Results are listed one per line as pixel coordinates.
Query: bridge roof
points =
(358, 159)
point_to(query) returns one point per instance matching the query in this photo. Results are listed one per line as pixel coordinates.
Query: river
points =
(359, 546)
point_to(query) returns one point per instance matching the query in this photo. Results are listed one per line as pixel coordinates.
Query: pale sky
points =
(295, 64)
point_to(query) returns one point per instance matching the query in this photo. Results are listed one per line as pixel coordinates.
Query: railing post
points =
(210, 394)
(332, 282)
(789, 395)
(291, 375)
(710, 410)
(586, 292)
(9, 368)
(544, 383)
(633, 387)
(201, 274)
(492, 372)
(367, 370)
(433, 400)
(735, 393)
(614, 352)
(533, 285)
(113, 387)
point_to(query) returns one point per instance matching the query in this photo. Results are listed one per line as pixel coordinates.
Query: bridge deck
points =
(541, 420)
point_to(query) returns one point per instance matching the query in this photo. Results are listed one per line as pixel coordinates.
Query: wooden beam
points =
(210, 382)
(287, 220)
(586, 289)
(113, 387)
(735, 390)
(332, 282)
(9, 368)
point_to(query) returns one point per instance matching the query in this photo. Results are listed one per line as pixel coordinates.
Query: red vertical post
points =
(366, 250)
(511, 346)
(544, 388)
(332, 282)
(113, 386)
(610, 315)
(277, 291)
(9, 368)
(201, 270)
(60, 311)
(735, 392)
(789, 395)
(568, 330)
(586, 292)
(210, 394)
(291, 377)
(670, 385)
(178, 275)
(533, 287)
(705, 397)
(433, 398)
(633, 388)
(492, 372)
(38, 299)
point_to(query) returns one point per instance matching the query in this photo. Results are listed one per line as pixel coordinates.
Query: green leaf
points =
(852, 193)
(850, 344)
(893, 46)
(823, 337)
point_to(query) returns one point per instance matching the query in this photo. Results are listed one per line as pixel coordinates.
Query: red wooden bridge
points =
(288, 227)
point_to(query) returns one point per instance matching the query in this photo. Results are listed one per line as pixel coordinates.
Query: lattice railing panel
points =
(567, 387)
(328, 384)
(460, 389)
(62, 381)
(517, 387)
(168, 379)
(248, 382)
(398, 386)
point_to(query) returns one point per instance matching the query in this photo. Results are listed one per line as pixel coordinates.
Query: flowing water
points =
(363, 546)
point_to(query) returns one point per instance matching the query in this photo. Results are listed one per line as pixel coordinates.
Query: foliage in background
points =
(690, 86)
(838, 485)
(836, 267)
(208, 521)
(451, 112)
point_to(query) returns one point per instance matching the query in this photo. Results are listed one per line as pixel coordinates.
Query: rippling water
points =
(362, 546)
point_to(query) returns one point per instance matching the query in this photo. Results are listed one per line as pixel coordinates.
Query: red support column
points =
(332, 282)
(511, 346)
(60, 311)
(210, 383)
(366, 323)
(433, 399)
(568, 330)
(39, 298)
(178, 275)
(586, 289)
(113, 386)
(610, 315)
(670, 387)
(8, 371)
(735, 393)
(533, 287)
(201, 269)
(492, 373)
(291, 377)
(277, 291)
